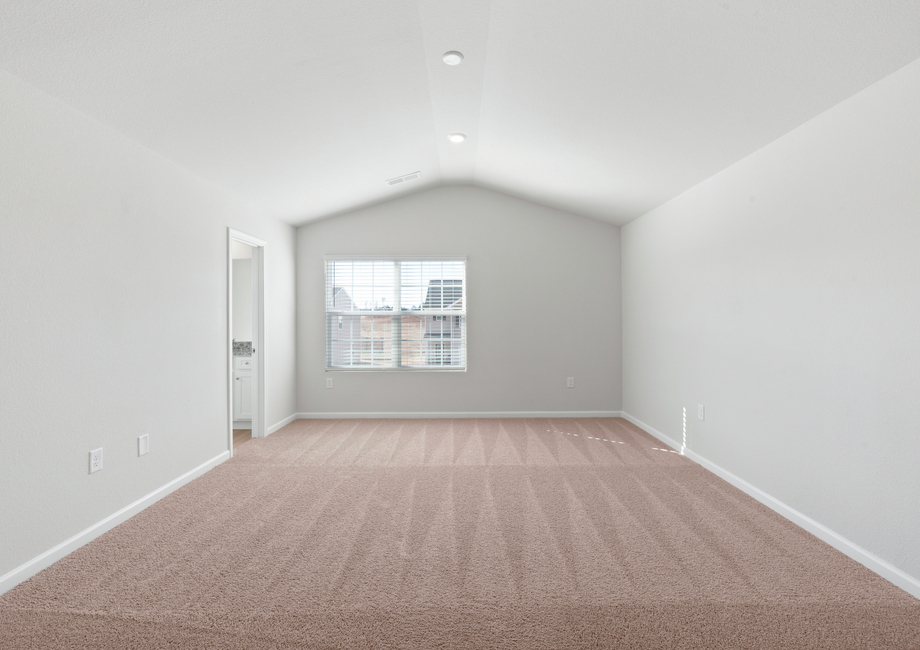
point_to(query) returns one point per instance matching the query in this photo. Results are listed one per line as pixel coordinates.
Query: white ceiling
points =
(603, 108)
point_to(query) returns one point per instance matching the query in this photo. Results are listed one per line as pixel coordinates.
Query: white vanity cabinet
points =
(242, 388)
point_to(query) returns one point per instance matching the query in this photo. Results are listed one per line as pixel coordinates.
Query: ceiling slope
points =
(609, 109)
(606, 109)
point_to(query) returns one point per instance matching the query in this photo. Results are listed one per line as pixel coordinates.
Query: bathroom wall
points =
(242, 300)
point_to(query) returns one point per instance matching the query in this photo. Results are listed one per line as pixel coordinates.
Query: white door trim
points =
(258, 332)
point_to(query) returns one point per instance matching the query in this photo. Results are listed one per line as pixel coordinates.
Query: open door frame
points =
(258, 332)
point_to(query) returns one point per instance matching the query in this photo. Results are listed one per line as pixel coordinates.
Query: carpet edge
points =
(411, 415)
(877, 565)
(43, 561)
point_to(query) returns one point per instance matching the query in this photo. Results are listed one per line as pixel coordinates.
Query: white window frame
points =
(396, 340)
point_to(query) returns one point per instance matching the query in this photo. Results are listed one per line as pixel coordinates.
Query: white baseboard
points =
(242, 424)
(286, 421)
(459, 414)
(872, 562)
(888, 571)
(670, 442)
(46, 559)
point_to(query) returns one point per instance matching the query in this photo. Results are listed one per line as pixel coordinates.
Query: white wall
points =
(242, 300)
(527, 264)
(784, 295)
(105, 337)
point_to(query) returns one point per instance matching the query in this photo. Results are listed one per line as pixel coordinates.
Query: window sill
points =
(386, 369)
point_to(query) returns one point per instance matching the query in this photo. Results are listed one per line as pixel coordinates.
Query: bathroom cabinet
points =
(242, 388)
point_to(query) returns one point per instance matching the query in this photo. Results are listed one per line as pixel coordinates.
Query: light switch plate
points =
(701, 411)
(143, 444)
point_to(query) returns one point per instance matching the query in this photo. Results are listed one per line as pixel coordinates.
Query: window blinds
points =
(396, 313)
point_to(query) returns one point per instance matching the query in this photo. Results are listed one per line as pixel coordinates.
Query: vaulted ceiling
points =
(606, 108)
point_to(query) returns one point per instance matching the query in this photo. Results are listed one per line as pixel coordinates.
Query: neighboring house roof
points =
(341, 299)
(444, 294)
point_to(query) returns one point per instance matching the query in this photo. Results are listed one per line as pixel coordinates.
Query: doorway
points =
(245, 317)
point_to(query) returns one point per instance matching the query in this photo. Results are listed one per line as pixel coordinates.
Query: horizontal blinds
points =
(396, 313)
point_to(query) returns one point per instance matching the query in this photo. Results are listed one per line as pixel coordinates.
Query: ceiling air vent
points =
(403, 179)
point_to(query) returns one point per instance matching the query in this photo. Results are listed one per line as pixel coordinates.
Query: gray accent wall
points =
(784, 295)
(543, 292)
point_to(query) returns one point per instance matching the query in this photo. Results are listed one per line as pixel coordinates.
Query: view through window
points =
(396, 313)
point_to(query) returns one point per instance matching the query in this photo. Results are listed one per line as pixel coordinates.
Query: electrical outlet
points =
(95, 460)
(570, 382)
(328, 382)
(143, 444)
(701, 411)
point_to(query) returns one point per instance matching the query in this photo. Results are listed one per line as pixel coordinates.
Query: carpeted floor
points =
(458, 534)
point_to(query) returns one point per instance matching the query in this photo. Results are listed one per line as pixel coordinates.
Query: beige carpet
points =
(458, 534)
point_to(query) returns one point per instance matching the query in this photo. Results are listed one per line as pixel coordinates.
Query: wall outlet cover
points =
(143, 444)
(570, 382)
(95, 460)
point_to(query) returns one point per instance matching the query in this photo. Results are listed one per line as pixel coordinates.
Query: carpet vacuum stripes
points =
(511, 533)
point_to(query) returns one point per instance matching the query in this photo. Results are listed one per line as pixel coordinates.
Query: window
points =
(395, 314)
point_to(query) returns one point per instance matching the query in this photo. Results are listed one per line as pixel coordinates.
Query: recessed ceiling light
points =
(453, 58)
(456, 137)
